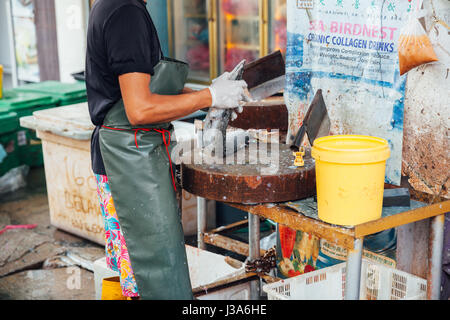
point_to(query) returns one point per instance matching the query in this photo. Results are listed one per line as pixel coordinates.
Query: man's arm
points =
(144, 107)
(187, 90)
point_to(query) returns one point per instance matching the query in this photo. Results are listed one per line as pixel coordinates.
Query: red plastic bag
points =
(414, 46)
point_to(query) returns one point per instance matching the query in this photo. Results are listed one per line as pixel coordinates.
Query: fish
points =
(217, 119)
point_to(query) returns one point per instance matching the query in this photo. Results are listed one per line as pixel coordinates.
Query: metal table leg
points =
(353, 271)
(254, 251)
(201, 222)
(436, 243)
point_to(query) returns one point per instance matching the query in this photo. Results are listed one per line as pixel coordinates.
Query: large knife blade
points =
(267, 89)
(265, 76)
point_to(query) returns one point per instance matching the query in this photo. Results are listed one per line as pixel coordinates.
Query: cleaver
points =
(316, 123)
(266, 76)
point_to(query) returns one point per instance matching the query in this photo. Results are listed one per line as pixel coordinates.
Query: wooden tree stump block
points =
(251, 183)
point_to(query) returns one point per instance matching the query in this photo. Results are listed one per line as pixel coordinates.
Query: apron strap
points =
(161, 54)
(166, 143)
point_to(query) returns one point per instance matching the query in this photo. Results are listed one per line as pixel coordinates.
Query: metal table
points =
(350, 238)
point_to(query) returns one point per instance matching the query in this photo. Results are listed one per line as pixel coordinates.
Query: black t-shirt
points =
(121, 39)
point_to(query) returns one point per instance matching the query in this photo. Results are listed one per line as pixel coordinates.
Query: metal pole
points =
(253, 236)
(254, 251)
(201, 222)
(353, 271)
(436, 243)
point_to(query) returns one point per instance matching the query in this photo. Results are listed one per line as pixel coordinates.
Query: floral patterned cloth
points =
(117, 257)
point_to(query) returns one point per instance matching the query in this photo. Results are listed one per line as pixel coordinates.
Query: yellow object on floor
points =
(111, 289)
(1, 81)
(350, 172)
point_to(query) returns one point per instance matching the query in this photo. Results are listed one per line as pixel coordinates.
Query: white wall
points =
(5, 48)
(426, 136)
(71, 17)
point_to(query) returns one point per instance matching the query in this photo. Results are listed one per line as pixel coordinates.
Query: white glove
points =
(234, 115)
(228, 94)
(226, 76)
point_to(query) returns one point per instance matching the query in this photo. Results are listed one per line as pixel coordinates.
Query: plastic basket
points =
(377, 283)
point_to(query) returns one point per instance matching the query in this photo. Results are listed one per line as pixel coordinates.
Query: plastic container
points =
(24, 104)
(9, 123)
(378, 282)
(350, 172)
(64, 93)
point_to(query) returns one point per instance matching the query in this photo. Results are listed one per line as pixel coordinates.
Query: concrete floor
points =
(34, 264)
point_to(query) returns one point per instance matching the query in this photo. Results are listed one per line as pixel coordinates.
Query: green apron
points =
(139, 172)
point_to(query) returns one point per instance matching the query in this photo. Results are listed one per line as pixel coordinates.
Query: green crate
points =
(64, 93)
(70, 102)
(25, 104)
(9, 123)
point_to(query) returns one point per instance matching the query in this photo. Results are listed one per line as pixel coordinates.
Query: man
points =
(130, 145)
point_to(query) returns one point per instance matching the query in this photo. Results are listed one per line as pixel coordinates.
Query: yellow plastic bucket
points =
(350, 173)
(111, 289)
(1, 81)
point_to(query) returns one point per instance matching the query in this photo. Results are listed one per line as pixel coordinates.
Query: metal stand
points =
(435, 257)
(353, 271)
(254, 251)
(201, 222)
(349, 238)
(352, 238)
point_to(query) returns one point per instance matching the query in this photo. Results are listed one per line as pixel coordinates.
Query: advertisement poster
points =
(348, 48)
(25, 40)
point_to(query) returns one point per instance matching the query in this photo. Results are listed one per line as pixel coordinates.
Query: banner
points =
(348, 48)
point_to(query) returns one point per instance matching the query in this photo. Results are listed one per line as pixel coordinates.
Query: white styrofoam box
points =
(378, 282)
(183, 131)
(204, 268)
(71, 185)
(237, 292)
(101, 271)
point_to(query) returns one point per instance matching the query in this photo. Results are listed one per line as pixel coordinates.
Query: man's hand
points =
(229, 93)
(239, 99)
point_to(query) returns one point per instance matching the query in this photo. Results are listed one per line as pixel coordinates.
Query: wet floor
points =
(34, 263)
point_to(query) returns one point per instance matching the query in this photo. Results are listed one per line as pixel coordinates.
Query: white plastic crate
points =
(377, 283)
